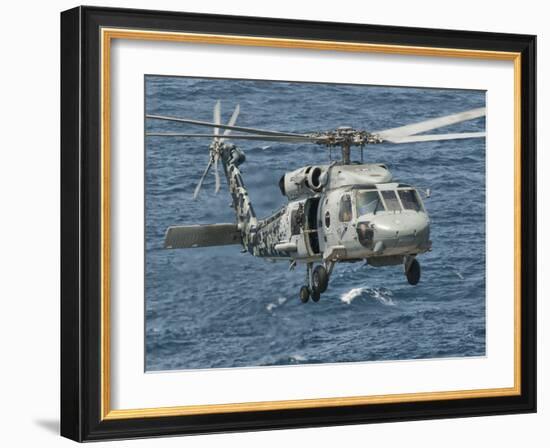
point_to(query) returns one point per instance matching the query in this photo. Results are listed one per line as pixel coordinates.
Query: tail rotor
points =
(216, 146)
(201, 180)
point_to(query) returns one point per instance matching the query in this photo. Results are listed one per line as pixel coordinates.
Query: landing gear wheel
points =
(315, 294)
(320, 279)
(304, 294)
(413, 274)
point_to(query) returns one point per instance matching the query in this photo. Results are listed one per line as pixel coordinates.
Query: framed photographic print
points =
(274, 224)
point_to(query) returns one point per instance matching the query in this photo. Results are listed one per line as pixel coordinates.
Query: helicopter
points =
(344, 211)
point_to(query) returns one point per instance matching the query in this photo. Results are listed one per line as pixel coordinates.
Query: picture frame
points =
(86, 177)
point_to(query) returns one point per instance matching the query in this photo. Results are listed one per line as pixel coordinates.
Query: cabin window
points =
(368, 202)
(409, 200)
(327, 219)
(390, 198)
(345, 208)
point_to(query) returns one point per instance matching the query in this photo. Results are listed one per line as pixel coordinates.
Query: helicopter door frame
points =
(311, 231)
(342, 225)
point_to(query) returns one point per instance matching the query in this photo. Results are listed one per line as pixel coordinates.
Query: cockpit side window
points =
(390, 198)
(409, 199)
(345, 208)
(368, 202)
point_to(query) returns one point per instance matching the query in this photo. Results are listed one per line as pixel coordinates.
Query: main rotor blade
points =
(217, 116)
(267, 138)
(233, 119)
(201, 180)
(431, 124)
(216, 173)
(434, 137)
(223, 126)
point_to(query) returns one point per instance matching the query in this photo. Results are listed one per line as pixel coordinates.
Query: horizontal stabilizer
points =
(184, 237)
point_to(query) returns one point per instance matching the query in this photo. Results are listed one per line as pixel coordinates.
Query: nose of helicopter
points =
(406, 229)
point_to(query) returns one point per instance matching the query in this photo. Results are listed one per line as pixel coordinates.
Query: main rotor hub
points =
(346, 137)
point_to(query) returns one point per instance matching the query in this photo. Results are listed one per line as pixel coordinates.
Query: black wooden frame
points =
(80, 223)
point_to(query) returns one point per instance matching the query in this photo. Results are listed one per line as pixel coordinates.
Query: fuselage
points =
(356, 214)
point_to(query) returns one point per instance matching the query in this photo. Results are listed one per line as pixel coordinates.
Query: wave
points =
(381, 295)
(349, 296)
(271, 306)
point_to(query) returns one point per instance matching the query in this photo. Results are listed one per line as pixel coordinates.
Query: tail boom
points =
(247, 221)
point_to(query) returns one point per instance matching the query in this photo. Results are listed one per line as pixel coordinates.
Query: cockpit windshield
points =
(409, 199)
(373, 201)
(368, 201)
(392, 203)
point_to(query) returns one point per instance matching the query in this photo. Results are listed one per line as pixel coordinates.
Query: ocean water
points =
(220, 308)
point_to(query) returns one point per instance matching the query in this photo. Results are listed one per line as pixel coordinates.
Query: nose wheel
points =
(317, 283)
(412, 271)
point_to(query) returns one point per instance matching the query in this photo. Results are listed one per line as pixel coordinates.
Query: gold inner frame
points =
(107, 35)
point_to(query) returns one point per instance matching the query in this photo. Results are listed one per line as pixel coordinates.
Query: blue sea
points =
(219, 308)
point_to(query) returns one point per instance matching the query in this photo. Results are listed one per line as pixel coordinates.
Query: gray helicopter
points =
(339, 212)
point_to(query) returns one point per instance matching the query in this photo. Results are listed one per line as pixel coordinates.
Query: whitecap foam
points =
(271, 306)
(384, 296)
(381, 295)
(349, 296)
